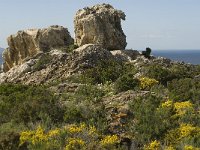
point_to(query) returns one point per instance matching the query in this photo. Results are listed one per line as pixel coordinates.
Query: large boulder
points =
(100, 24)
(27, 43)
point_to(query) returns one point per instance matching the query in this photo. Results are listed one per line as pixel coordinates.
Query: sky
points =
(158, 24)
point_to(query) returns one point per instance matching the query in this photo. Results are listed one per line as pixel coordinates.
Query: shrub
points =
(42, 62)
(147, 52)
(11, 141)
(159, 73)
(28, 104)
(126, 82)
(108, 70)
(69, 137)
(147, 83)
(85, 106)
(185, 71)
(185, 89)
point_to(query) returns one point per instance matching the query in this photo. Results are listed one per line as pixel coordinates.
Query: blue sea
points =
(188, 56)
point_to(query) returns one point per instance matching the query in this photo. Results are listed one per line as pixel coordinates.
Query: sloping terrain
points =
(71, 97)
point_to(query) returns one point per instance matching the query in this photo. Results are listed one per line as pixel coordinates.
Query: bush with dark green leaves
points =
(28, 104)
(42, 62)
(149, 122)
(160, 73)
(104, 71)
(11, 141)
(147, 53)
(85, 105)
(185, 89)
(126, 82)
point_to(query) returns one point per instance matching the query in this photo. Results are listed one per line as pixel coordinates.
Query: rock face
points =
(27, 43)
(100, 24)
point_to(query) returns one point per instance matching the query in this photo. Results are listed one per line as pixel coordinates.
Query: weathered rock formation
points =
(100, 24)
(56, 65)
(27, 43)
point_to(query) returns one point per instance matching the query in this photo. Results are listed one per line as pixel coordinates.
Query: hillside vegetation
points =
(89, 93)
(163, 113)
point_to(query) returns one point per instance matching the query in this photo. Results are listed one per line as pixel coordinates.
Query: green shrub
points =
(42, 62)
(126, 82)
(150, 122)
(160, 73)
(185, 71)
(108, 70)
(185, 89)
(10, 141)
(85, 105)
(147, 53)
(28, 104)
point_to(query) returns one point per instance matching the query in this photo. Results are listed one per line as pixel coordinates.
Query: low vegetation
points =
(164, 114)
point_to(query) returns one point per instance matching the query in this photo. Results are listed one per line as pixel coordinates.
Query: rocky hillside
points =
(90, 92)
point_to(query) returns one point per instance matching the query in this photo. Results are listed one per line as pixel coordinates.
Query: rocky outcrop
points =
(126, 55)
(89, 55)
(27, 43)
(100, 24)
(56, 65)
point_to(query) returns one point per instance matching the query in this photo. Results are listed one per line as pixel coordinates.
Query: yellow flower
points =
(167, 104)
(33, 137)
(26, 136)
(53, 133)
(154, 145)
(39, 136)
(186, 130)
(92, 130)
(76, 129)
(109, 140)
(146, 83)
(169, 148)
(189, 147)
(75, 143)
(182, 107)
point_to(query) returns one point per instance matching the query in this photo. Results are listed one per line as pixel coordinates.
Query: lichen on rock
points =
(100, 24)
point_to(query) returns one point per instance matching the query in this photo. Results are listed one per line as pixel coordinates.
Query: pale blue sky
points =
(159, 24)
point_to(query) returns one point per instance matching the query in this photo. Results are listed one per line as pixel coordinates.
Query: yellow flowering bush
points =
(92, 130)
(169, 148)
(75, 128)
(147, 83)
(182, 107)
(53, 133)
(33, 137)
(75, 144)
(26, 136)
(167, 104)
(109, 140)
(154, 145)
(186, 130)
(38, 136)
(189, 147)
